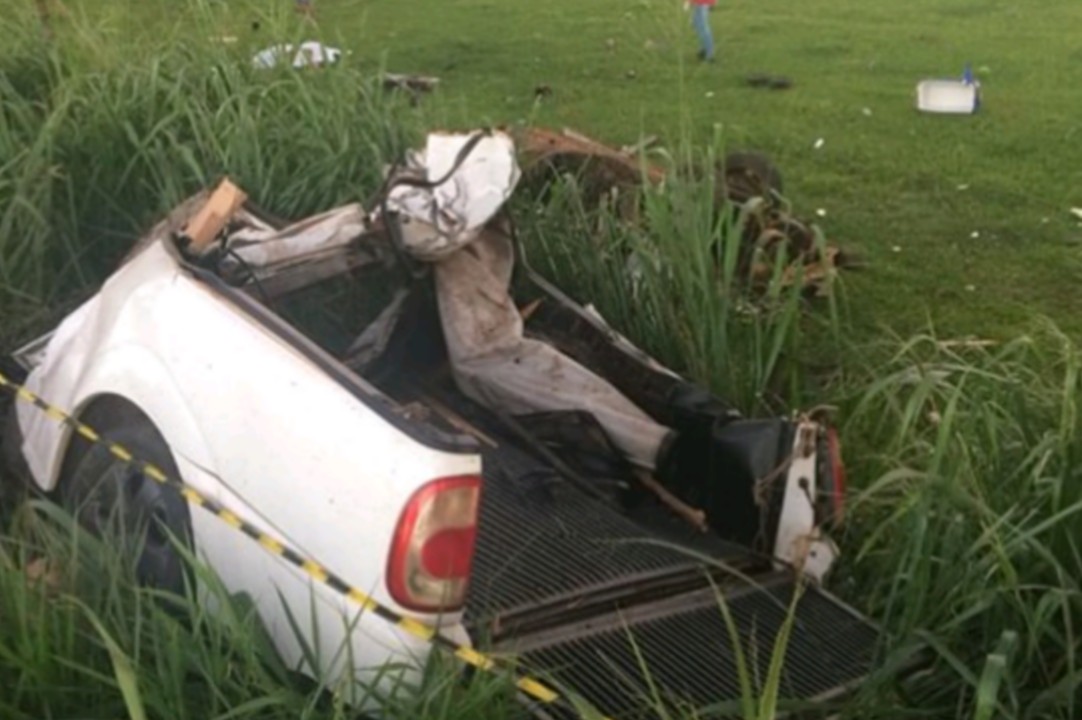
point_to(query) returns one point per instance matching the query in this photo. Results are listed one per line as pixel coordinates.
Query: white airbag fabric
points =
(496, 365)
(492, 361)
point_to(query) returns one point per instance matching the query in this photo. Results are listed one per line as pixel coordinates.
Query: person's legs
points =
(700, 18)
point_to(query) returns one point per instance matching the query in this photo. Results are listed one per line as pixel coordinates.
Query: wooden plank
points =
(210, 219)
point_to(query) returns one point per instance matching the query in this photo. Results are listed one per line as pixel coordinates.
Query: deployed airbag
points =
(492, 361)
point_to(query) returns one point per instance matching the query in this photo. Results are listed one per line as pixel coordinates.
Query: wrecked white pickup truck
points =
(395, 393)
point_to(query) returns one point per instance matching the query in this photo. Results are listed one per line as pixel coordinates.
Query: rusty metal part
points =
(747, 180)
(694, 516)
(569, 148)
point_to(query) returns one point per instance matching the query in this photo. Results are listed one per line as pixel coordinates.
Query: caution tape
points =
(533, 688)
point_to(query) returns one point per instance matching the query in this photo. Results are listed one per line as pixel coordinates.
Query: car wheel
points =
(116, 500)
(751, 173)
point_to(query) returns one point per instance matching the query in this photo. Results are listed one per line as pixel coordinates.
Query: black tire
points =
(113, 498)
(750, 173)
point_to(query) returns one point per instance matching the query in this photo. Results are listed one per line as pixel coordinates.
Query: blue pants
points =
(700, 20)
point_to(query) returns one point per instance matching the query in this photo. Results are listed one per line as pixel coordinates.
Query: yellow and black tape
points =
(531, 687)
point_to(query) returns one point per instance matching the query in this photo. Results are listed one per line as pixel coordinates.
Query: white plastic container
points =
(956, 97)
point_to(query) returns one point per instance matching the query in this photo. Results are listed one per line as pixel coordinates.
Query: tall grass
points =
(963, 528)
(967, 537)
(672, 281)
(97, 138)
(85, 640)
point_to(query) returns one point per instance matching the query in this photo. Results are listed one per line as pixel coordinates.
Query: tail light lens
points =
(837, 469)
(432, 551)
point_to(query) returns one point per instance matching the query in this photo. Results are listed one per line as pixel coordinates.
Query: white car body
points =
(261, 419)
(253, 423)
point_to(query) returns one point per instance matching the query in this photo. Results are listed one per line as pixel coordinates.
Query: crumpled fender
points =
(87, 359)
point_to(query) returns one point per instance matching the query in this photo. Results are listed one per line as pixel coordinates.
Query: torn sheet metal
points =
(799, 541)
(438, 221)
(626, 345)
(261, 245)
(496, 365)
(373, 341)
(30, 355)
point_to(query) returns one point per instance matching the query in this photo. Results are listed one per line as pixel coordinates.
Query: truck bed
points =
(612, 606)
(621, 603)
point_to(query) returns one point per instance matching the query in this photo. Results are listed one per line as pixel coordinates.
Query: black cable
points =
(230, 252)
(391, 181)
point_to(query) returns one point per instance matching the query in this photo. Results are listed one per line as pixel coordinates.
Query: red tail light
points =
(837, 465)
(432, 551)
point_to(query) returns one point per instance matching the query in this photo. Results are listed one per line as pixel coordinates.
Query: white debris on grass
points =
(310, 53)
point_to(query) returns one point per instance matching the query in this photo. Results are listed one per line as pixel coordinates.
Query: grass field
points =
(962, 533)
(887, 179)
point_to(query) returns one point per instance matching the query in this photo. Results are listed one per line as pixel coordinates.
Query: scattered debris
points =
(308, 54)
(415, 85)
(747, 179)
(953, 97)
(773, 82)
(314, 54)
